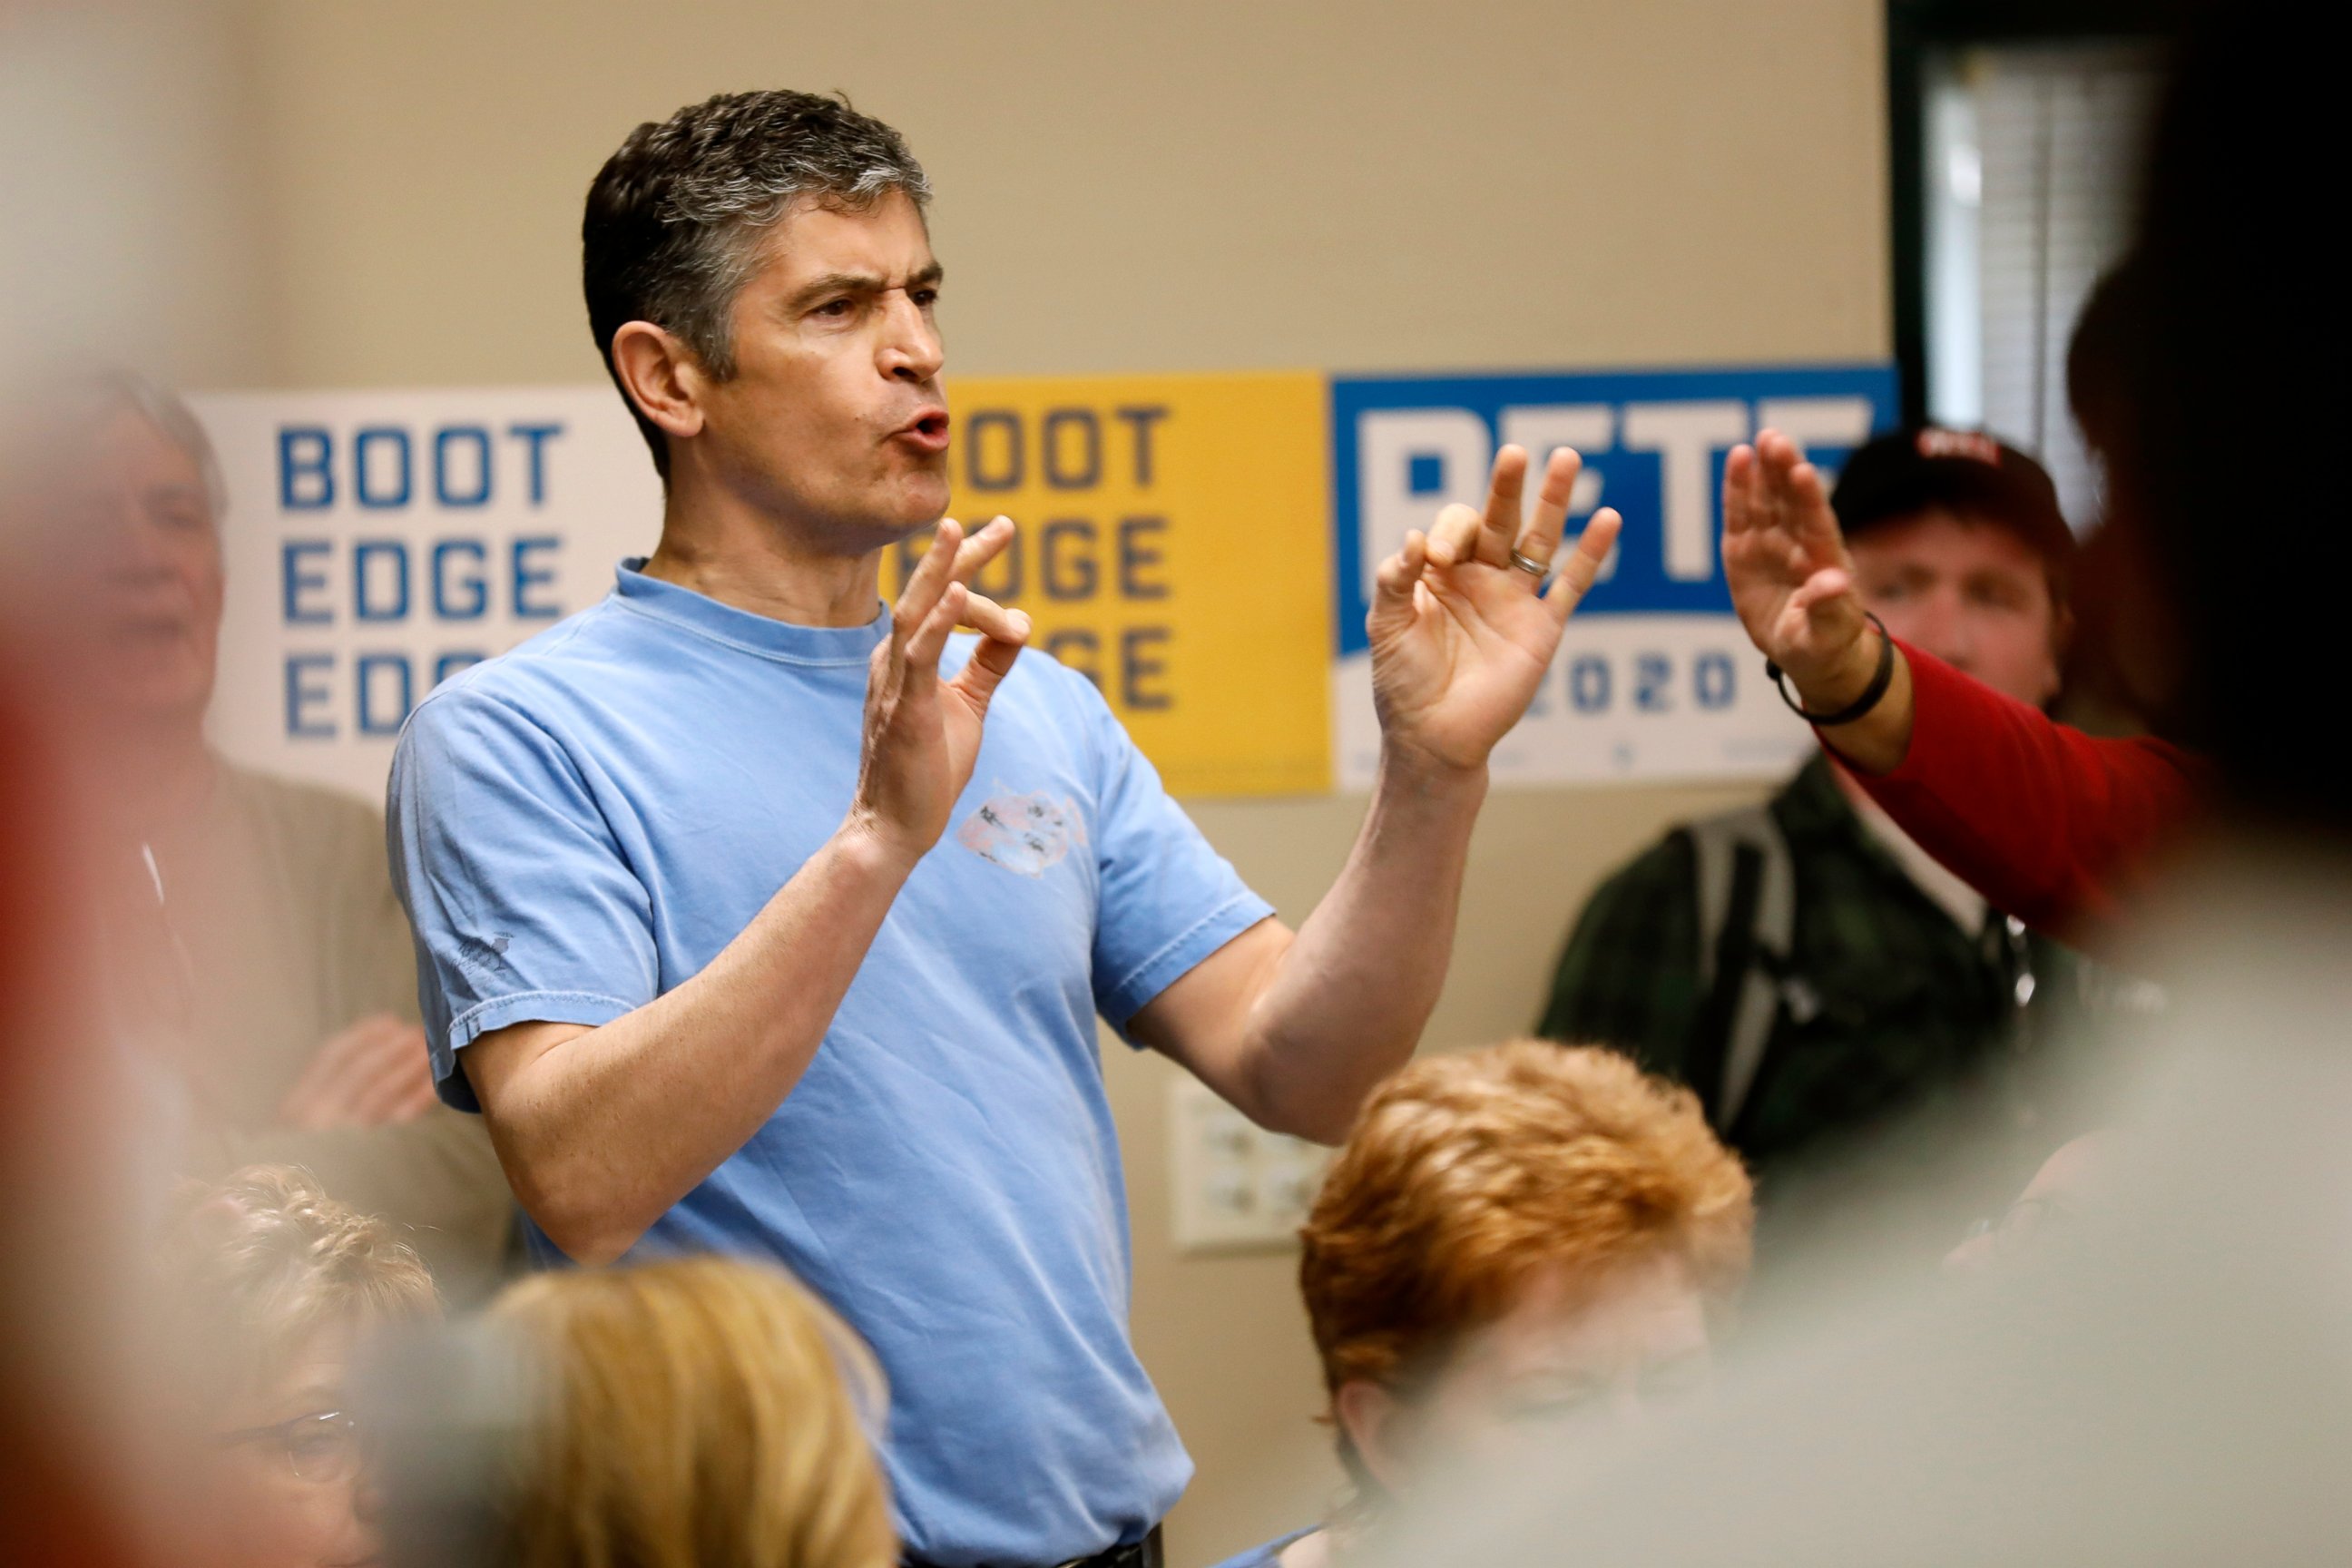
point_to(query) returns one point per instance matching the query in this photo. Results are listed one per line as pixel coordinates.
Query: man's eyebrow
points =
(858, 283)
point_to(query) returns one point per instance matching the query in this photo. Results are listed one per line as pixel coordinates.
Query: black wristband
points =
(1879, 682)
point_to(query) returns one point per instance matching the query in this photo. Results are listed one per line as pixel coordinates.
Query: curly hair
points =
(252, 1265)
(696, 1410)
(675, 217)
(1466, 1174)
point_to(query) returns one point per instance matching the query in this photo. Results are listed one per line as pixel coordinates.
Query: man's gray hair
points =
(675, 218)
(115, 389)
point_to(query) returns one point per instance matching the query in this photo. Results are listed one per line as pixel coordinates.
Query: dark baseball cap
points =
(1903, 473)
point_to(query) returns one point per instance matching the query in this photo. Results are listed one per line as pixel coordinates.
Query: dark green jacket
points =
(1889, 1005)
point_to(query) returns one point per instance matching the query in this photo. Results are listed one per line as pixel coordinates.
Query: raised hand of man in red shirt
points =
(2049, 824)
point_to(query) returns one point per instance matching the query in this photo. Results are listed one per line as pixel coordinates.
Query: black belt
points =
(1143, 1553)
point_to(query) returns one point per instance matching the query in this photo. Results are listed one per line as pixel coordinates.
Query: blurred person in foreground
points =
(759, 917)
(1805, 966)
(267, 1290)
(274, 971)
(69, 1405)
(1512, 1240)
(2171, 1386)
(688, 1413)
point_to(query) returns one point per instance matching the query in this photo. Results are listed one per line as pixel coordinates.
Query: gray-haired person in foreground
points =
(757, 916)
(261, 961)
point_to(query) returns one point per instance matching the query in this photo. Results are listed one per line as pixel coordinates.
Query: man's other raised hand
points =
(922, 733)
(1791, 581)
(1793, 586)
(1461, 636)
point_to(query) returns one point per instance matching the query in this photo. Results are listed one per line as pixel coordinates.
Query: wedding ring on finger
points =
(1530, 566)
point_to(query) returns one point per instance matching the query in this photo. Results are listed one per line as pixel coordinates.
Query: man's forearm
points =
(601, 1133)
(1346, 1003)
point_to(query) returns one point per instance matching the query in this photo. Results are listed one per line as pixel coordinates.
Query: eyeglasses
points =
(322, 1448)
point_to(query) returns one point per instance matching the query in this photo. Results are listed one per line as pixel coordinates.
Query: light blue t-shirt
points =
(581, 825)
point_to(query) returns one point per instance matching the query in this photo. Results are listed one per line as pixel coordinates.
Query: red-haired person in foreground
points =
(267, 1286)
(1511, 1238)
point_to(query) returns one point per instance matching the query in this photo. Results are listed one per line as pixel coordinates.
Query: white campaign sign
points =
(1660, 697)
(376, 541)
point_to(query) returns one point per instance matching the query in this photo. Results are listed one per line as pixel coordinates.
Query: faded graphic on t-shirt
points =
(1024, 833)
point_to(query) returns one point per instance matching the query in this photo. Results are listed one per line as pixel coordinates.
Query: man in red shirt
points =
(1809, 970)
(2050, 824)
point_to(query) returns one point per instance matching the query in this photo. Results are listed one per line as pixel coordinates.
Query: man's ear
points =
(662, 376)
(1375, 1425)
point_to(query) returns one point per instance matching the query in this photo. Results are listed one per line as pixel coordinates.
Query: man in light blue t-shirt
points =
(746, 934)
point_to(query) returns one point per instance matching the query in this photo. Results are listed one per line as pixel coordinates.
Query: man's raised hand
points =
(1792, 579)
(1793, 585)
(922, 733)
(1460, 635)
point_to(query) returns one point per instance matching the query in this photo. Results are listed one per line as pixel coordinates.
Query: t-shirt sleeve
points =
(1168, 899)
(523, 907)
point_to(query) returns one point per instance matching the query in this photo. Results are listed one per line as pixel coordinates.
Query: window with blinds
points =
(2033, 154)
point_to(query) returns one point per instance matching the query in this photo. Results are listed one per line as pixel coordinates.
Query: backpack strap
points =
(1747, 927)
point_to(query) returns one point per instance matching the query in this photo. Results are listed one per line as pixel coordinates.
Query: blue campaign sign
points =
(1653, 442)
(1655, 678)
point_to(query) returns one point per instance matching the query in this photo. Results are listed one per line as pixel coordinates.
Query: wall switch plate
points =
(1236, 1187)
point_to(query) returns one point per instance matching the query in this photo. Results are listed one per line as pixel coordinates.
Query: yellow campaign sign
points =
(1174, 547)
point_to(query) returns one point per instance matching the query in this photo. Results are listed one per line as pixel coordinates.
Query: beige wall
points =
(1454, 184)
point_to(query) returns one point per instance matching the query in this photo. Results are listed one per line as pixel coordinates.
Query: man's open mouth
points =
(929, 432)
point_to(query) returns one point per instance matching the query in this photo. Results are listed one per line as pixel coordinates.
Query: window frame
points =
(1917, 32)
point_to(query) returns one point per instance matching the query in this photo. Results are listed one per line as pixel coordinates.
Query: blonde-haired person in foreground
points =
(1511, 1237)
(694, 1412)
(266, 1289)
